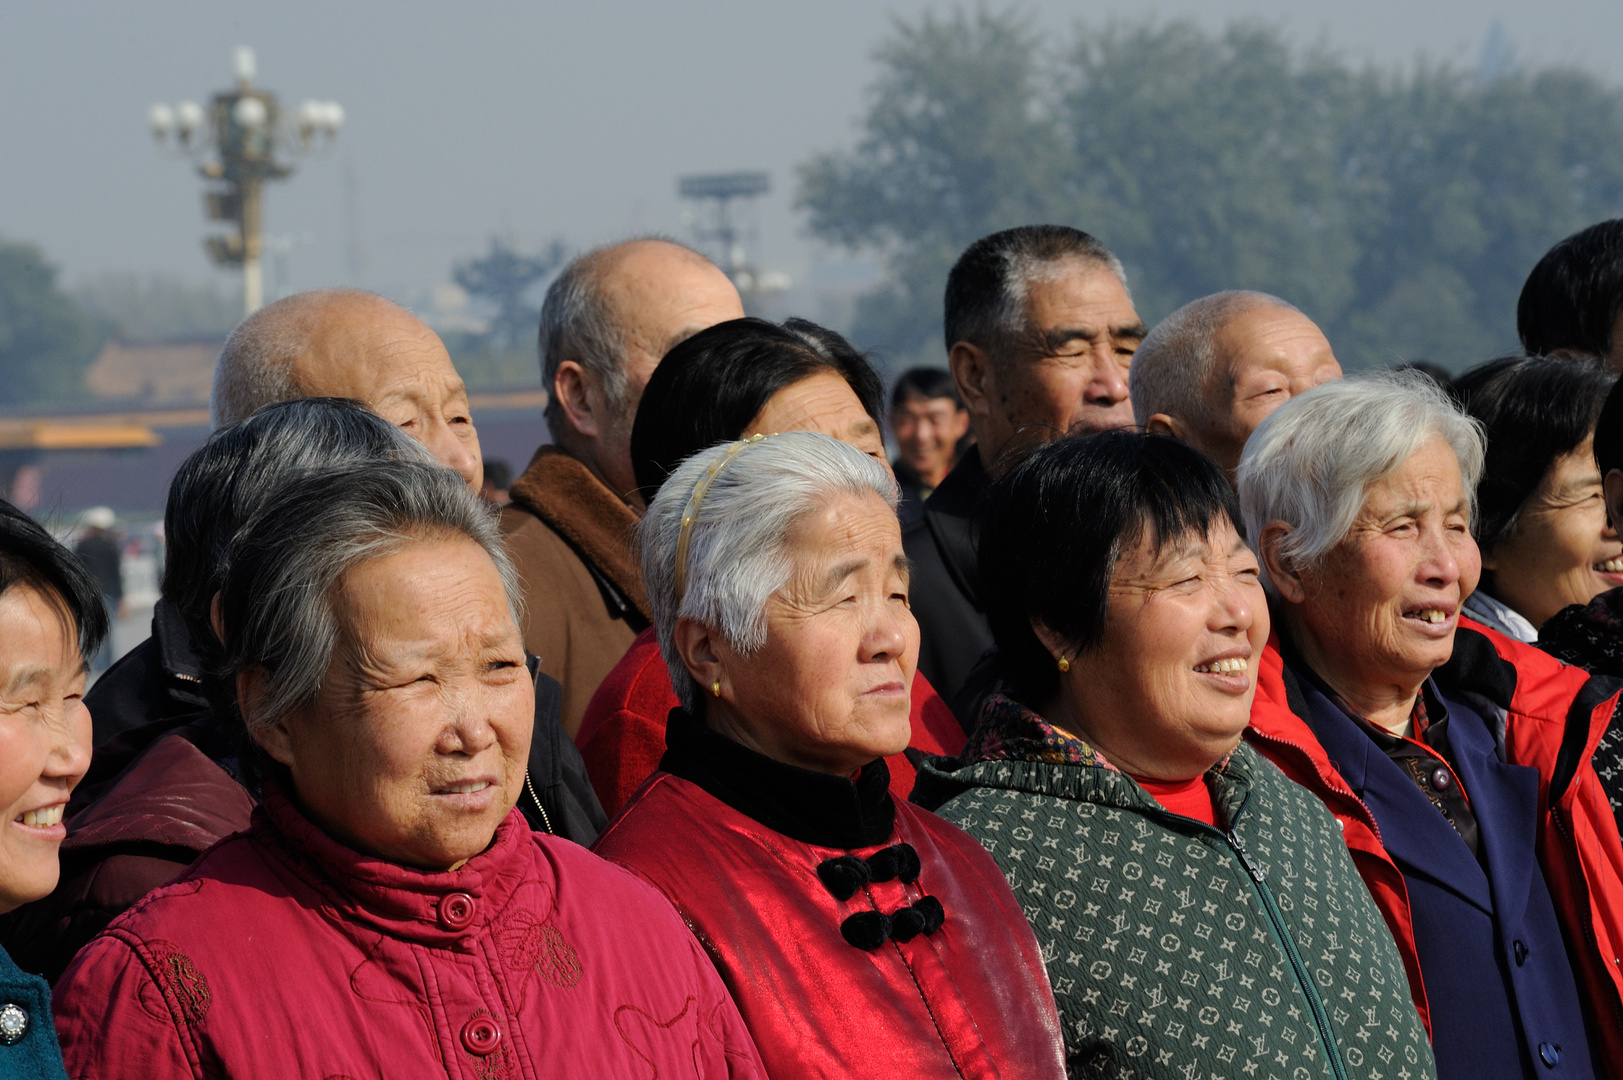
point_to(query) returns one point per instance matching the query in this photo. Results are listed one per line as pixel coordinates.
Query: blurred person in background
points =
(51, 620)
(498, 478)
(171, 784)
(606, 321)
(929, 423)
(1213, 370)
(348, 343)
(1129, 620)
(1541, 521)
(859, 935)
(389, 912)
(1570, 304)
(1465, 753)
(735, 380)
(98, 549)
(1040, 331)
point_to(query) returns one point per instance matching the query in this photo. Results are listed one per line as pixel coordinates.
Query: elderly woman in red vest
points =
(860, 936)
(388, 912)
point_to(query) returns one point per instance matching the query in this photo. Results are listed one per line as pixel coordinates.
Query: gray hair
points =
(990, 283)
(286, 565)
(1312, 461)
(255, 368)
(579, 323)
(1173, 367)
(735, 555)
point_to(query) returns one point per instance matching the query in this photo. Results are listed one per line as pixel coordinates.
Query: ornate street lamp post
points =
(237, 142)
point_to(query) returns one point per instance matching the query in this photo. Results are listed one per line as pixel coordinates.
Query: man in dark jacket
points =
(162, 792)
(98, 550)
(607, 321)
(1040, 331)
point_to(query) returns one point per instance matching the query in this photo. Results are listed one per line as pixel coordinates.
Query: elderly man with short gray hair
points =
(1213, 370)
(607, 321)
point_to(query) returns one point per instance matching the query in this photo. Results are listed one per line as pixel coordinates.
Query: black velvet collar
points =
(812, 807)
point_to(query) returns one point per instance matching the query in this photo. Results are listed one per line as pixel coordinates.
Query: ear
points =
(1614, 497)
(1287, 580)
(572, 387)
(274, 740)
(217, 618)
(700, 649)
(1055, 645)
(972, 374)
(1162, 424)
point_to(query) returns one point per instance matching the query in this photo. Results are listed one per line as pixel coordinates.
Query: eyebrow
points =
(1055, 339)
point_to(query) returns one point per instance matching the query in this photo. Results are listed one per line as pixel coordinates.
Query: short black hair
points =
(708, 388)
(929, 383)
(1052, 529)
(1609, 433)
(1533, 410)
(1571, 299)
(31, 556)
(986, 289)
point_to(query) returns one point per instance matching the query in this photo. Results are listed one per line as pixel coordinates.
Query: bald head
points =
(1210, 372)
(606, 322)
(351, 344)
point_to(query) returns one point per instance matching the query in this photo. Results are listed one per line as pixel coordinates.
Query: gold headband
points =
(691, 514)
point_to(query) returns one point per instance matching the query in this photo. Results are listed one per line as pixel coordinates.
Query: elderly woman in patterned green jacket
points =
(1198, 911)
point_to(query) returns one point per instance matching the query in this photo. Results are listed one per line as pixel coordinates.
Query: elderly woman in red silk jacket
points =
(859, 936)
(388, 912)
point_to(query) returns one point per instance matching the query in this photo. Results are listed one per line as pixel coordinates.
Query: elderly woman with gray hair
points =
(1456, 758)
(388, 911)
(860, 936)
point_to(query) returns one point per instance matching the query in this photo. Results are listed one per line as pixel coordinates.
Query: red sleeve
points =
(113, 1020)
(935, 729)
(622, 735)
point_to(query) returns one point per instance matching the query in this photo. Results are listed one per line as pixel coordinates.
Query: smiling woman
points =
(51, 619)
(368, 615)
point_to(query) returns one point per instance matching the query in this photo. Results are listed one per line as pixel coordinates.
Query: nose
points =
(1440, 566)
(454, 450)
(69, 758)
(1233, 611)
(469, 731)
(886, 638)
(1109, 383)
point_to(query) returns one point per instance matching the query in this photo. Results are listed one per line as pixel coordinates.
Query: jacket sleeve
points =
(731, 1051)
(115, 1021)
(557, 775)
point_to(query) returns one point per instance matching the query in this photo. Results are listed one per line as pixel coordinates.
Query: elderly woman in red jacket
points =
(389, 912)
(860, 936)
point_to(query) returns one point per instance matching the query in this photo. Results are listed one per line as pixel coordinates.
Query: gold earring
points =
(1064, 665)
(715, 688)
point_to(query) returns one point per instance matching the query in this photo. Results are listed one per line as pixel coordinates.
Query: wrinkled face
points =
(44, 738)
(830, 690)
(822, 402)
(927, 433)
(1070, 368)
(1563, 551)
(416, 747)
(1385, 602)
(1270, 354)
(1167, 691)
(386, 357)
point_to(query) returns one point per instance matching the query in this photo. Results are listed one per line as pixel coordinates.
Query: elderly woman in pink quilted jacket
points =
(388, 912)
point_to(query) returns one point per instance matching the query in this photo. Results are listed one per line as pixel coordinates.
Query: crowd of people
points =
(1172, 706)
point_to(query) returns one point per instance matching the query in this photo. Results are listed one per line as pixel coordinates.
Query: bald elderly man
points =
(606, 322)
(352, 344)
(1213, 370)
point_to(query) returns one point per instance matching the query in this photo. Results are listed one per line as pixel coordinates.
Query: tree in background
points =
(1401, 209)
(148, 308)
(507, 281)
(46, 339)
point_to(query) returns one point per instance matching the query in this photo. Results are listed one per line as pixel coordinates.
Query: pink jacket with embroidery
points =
(282, 953)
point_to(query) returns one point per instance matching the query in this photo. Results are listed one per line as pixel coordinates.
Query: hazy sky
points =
(531, 119)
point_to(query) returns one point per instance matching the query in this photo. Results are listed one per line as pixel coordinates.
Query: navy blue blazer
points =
(1504, 1002)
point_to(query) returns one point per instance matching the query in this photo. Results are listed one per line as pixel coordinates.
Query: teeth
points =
(466, 789)
(51, 815)
(1232, 666)
(1432, 615)
(1611, 566)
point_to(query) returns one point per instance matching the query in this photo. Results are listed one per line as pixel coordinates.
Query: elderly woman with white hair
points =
(859, 936)
(388, 912)
(1456, 758)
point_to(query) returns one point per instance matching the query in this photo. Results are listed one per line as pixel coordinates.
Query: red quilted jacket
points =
(1550, 717)
(282, 953)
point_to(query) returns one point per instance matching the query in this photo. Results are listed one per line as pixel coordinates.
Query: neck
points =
(588, 451)
(1386, 702)
(719, 716)
(1147, 762)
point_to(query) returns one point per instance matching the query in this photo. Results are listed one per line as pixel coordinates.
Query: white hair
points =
(1173, 367)
(735, 555)
(1311, 463)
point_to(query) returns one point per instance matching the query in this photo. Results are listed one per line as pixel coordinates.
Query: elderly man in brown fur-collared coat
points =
(606, 322)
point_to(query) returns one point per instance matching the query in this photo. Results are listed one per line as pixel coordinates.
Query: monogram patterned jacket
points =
(1178, 950)
(284, 954)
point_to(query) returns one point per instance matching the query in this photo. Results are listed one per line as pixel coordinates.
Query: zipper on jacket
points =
(1327, 1039)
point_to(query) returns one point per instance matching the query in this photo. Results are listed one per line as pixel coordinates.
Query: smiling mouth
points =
(469, 788)
(1610, 566)
(1234, 665)
(1430, 615)
(42, 818)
